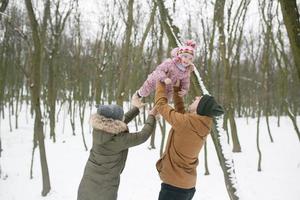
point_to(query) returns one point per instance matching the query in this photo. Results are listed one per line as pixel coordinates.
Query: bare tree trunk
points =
(225, 127)
(291, 19)
(0, 151)
(81, 116)
(3, 6)
(57, 23)
(17, 109)
(168, 27)
(64, 119)
(257, 141)
(32, 159)
(35, 95)
(0, 142)
(9, 117)
(52, 98)
(284, 83)
(124, 65)
(162, 126)
(72, 112)
(159, 60)
(152, 140)
(101, 63)
(266, 65)
(226, 163)
(239, 94)
(228, 102)
(269, 129)
(293, 118)
(0, 147)
(205, 159)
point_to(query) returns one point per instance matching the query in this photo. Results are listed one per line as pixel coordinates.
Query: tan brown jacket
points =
(178, 164)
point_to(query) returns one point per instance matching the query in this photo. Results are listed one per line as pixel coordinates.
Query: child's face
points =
(186, 59)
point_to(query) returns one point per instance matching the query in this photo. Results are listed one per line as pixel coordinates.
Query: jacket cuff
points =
(160, 94)
(176, 89)
(151, 120)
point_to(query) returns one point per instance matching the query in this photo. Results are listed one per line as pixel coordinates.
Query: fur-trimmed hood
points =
(108, 125)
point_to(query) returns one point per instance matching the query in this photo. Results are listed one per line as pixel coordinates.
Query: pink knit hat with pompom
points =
(189, 47)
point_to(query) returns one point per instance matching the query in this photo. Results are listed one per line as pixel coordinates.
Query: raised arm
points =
(178, 101)
(185, 84)
(133, 139)
(162, 70)
(131, 114)
(176, 119)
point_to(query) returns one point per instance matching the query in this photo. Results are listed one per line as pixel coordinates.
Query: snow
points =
(278, 180)
(228, 157)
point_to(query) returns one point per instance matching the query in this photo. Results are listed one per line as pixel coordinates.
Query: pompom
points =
(190, 43)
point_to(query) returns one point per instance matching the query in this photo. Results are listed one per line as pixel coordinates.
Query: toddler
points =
(177, 68)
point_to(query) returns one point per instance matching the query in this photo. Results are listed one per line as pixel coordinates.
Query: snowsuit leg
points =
(147, 87)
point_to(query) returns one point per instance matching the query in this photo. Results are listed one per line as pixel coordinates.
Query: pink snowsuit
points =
(166, 69)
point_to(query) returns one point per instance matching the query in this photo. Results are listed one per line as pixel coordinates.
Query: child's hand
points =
(192, 67)
(168, 81)
(182, 92)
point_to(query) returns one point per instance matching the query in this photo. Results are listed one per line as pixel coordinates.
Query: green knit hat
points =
(209, 107)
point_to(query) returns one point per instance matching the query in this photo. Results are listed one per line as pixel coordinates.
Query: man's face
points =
(194, 104)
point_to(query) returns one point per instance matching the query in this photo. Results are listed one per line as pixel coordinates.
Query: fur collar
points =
(108, 125)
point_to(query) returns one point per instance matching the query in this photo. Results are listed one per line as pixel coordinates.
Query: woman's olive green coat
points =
(111, 140)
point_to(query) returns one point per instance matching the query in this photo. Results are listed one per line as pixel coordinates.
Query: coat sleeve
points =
(131, 114)
(134, 139)
(162, 70)
(176, 119)
(178, 101)
(185, 83)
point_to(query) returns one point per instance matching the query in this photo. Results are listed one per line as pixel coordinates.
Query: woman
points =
(111, 140)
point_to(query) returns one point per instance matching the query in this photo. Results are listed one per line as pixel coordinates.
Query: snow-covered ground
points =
(278, 180)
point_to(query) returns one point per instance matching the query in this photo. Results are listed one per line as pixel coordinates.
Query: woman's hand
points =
(136, 101)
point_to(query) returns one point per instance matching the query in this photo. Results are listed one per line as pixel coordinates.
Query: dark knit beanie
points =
(209, 107)
(110, 111)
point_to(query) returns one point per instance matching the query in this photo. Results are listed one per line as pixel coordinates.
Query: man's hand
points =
(167, 81)
(153, 112)
(182, 92)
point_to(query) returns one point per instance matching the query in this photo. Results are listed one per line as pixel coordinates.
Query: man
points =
(177, 166)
